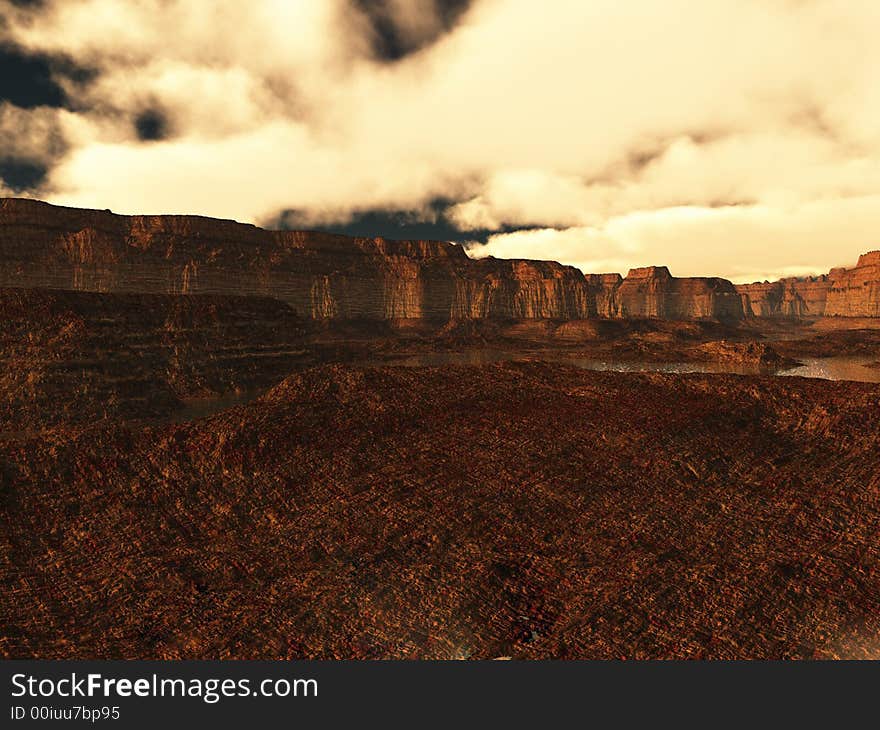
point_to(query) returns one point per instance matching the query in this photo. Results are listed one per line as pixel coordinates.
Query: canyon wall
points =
(856, 292)
(652, 292)
(325, 276)
(792, 297)
(840, 293)
(604, 287)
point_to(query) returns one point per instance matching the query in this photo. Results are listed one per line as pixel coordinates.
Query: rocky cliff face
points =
(652, 292)
(760, 299)
(79, 357)
(840, 293)
(856, 292)
(604, 288)
(496, 288)
(793, 297)
(325, 276)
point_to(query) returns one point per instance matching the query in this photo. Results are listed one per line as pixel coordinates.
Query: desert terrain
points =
(223, 442)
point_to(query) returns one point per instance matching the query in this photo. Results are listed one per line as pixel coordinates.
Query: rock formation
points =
(332, 277)
(654, 292)
(748, 353)
(325, 276)
(79, 357)
(793, 297)
(840, 293)
(856, 292)
(604, 287)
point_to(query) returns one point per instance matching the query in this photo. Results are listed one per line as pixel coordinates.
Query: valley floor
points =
(529, 510)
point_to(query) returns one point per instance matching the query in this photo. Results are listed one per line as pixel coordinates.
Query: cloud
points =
(735, 137)
(763, 241)
(400, 27)
(34, 135)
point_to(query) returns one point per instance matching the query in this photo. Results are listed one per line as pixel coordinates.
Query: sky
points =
(737, 138)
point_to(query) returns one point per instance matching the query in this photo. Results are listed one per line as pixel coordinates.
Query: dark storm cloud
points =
(21, 175)
(26, 81)
(429, 224)
(451, 10)
(151, 125)
(30, 80)
(394, 224)
(31, 92)
(643, 154)
(393, 39)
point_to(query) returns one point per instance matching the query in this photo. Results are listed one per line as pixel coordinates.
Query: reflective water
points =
(830, 368)
(837, 368)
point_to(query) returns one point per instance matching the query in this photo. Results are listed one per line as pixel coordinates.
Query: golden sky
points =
(738, 138)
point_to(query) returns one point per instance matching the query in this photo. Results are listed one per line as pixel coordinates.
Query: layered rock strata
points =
(856, 292)
(333, 277)
(325, 276)
(842, 292)
(604, 287)
(654, 292)
(79, 357)
(793, 297)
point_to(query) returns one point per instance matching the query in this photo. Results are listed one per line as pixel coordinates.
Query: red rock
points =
(604, 287)
(841, 293)
(80, 357)
(326, 276)
(527, 510)
(856, 292)
(323, 276)
(652, 292)
(793, 297)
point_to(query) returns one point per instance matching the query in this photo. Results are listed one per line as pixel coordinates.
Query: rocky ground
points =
(523, 510)
(526, 510)
(831, 342)
(71, 358)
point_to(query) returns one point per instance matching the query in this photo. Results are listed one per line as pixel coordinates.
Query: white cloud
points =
(761, 241)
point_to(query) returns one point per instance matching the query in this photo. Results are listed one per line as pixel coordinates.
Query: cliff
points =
(840, 293)
(856, 292)
(604, 287)
(652, 292)
(323, 276)
(792, 297)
